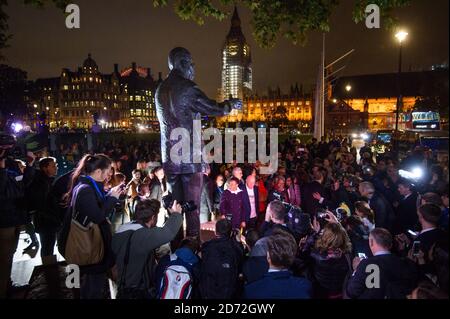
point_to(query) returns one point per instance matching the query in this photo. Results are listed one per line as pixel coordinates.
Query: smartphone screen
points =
(416, 247)
(362, 256)
(412, 233)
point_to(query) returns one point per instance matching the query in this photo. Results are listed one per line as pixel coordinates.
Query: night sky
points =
(118, 31)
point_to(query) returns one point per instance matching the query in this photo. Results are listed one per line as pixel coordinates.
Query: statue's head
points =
(180, 59)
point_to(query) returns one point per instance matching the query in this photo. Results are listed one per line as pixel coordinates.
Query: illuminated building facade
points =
(236, 63)
(373, 98)
(139, 87)
(78, 99)
(294, 107)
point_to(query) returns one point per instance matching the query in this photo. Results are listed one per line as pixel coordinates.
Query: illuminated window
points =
(307, 102)
(90, 79)
(131, 97)
(66, 87)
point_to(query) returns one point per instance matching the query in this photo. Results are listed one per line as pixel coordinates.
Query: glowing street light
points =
(401, 36)
(348, 87)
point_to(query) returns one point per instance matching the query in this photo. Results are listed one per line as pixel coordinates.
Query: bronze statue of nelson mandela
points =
(179, 101)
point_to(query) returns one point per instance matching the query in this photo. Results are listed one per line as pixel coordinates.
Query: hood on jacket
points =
(129, 226)
(187, 255)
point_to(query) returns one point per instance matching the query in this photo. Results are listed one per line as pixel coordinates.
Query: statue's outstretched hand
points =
(235, 104)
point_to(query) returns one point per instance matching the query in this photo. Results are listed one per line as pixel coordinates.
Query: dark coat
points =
(395, 275)
(328, 273)
(406, 214)
(178, 102)
(428, 239)
(218, 191)
(45, 218)
(254, 268)
(233, 205)
(384, 213)
(309, 204)
(278, 285)
(12, 192)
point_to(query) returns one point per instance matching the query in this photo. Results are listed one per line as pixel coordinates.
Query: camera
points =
(321, 214)
(7, 143)
(186, 207)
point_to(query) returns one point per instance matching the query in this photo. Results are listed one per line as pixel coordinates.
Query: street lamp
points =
(401, 36)
(348, 88)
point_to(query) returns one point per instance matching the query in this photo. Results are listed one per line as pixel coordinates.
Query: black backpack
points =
(146, 288)
(219, 270)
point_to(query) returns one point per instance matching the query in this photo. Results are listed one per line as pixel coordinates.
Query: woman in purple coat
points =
(232, 204)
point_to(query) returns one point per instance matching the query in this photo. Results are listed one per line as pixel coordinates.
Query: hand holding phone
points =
(362, 256)
(416, 248)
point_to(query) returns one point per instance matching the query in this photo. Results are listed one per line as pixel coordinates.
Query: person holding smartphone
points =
(397, 277)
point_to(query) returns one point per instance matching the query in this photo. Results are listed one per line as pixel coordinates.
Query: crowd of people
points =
(329, 221)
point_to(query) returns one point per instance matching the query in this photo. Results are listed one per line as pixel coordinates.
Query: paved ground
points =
(34, 279)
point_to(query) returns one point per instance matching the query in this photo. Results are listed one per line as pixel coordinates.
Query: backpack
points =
(145, 290)
(219, 270)
(177, 280)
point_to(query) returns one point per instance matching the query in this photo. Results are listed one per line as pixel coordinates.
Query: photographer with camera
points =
(134, 246)
(12, 210)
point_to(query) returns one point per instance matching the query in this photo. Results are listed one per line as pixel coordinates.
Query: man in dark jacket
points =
(275, 218)
(429, 216)
(309, 203)
(45, 219)
(406, 210)
(384, 214)
(278, 282)
(390, 276)
(179, 102)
